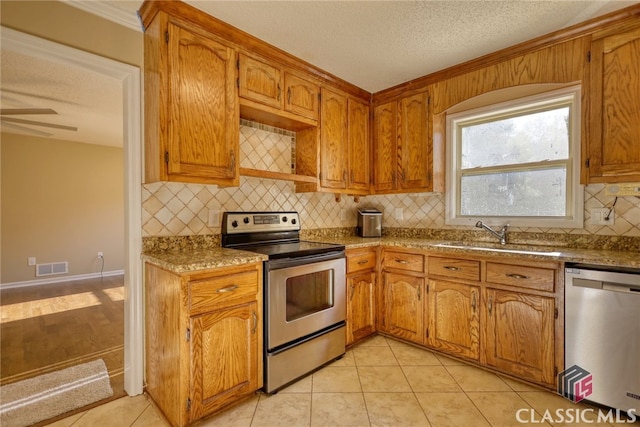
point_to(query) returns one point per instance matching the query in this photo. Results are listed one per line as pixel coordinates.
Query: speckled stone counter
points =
(537, 252)
(183, 254)
(190, 260)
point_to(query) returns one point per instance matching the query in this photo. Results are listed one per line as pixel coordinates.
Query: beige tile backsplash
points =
(176, 209)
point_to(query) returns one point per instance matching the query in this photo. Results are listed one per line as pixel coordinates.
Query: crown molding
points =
(108, 12)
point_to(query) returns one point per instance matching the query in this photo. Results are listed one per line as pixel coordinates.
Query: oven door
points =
(304, 296)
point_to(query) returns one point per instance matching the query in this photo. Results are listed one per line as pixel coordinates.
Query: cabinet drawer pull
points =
(448, 267)
(227, 289)
(402, 261)
(255, 322)
(517, 276)
(362, 262)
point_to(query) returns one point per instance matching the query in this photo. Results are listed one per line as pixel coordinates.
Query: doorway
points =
(130, 78)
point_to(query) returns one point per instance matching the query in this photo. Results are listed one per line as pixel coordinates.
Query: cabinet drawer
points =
(360, 261)
(454, 268)
(542, 279)
(209, 293)
(403, 261)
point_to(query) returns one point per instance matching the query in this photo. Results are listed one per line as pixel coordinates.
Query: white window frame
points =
(575, 193)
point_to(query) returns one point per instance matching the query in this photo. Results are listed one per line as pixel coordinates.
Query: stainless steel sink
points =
(497, 247)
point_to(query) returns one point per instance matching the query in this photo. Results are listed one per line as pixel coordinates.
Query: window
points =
(516, 162)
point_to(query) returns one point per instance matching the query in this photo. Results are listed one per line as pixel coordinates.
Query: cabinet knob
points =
(451, 268)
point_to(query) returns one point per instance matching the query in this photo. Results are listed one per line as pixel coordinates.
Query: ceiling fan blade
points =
(17, 111)
(34, 123)
(24, 129)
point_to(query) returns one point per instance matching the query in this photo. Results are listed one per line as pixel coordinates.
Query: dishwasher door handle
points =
(620, 287)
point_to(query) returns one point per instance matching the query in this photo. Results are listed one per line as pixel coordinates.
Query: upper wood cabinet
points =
(344, 143)
(191, 105)
(614, 140)
(401, 148)
(333, 140)
(271, 85)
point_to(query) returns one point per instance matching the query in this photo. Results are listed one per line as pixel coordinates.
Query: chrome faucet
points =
(502, 234)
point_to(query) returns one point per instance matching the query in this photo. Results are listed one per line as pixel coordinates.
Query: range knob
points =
(234, 223)
(246, 220)
(284, 219)
(293, 221)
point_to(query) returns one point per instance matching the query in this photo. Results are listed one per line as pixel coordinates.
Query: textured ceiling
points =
(379, 44)
(372, 44)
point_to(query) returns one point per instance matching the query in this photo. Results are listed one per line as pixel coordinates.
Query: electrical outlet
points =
(31, 261)
(599, 216)
(100, 255)
(343, 215)
(214, 218)
(399, 214)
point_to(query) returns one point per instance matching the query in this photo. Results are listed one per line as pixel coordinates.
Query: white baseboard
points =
(59, 279)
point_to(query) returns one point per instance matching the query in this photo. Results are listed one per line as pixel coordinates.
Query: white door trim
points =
(132, 136)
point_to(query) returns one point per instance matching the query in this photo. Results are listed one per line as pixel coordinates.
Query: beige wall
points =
(61, 201)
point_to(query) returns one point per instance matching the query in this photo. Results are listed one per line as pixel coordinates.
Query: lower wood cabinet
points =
(203, 339)
(520, 334)
(404, 309)
(454, 318)
(361, 293)
(504, 314)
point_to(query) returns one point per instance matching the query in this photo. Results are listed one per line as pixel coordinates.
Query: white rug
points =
(36, 399)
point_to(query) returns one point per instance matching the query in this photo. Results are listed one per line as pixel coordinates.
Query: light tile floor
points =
(380, 382)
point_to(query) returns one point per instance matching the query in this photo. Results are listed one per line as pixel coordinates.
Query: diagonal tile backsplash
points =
(176, 209)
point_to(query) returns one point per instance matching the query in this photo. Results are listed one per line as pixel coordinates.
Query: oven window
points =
(309, 293)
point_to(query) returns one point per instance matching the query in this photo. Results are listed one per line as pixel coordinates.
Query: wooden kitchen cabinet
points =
(401, 150)
(614, 151)
(454, 318)
(454, 306)
(520, 335)
(403, 294)
(274, 86)
(344, 143)
(191, 105)
(404, 308)
(203, 339)
(361, 293)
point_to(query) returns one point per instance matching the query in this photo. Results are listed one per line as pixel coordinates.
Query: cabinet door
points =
(385, 147)
(520, 336)
(404, 310)
(333, 140)
(301, 96)
(260, 81)
(360, 306)
(359, 153)
(415, 156)
(203, 109)
(615, 108)
(454, 321)
(224, 357)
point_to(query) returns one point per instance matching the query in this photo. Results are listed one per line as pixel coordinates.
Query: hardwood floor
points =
(49, 327)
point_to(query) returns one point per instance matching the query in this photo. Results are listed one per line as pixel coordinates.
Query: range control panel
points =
(257, 222)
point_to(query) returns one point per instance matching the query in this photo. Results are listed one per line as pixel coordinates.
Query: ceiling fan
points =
(20, 123)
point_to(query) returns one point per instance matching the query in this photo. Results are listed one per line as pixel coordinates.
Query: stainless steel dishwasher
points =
(602, 332)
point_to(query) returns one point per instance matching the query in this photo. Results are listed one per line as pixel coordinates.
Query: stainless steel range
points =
(305, 293)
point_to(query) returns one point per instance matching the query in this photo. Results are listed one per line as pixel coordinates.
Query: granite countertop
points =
(185, 260)
(534, 252)
(189, 260)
